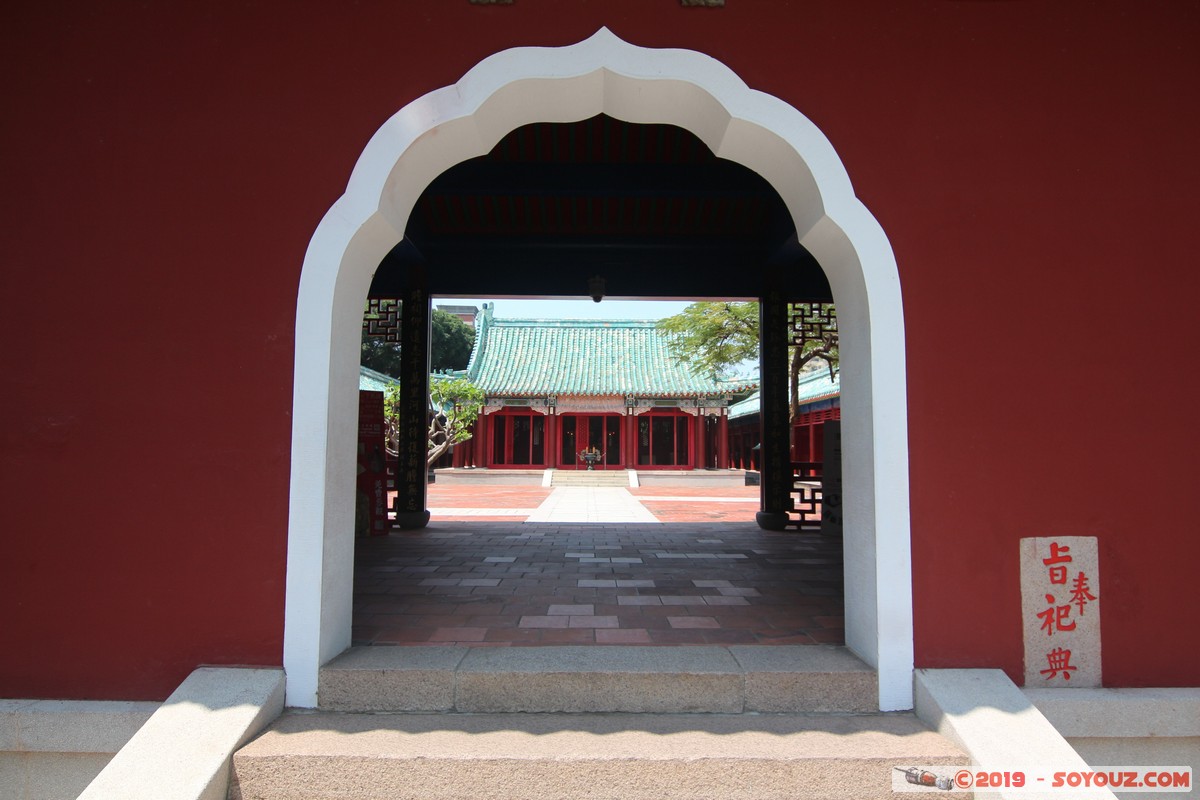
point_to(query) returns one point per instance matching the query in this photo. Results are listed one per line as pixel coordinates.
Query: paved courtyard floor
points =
(505, 566)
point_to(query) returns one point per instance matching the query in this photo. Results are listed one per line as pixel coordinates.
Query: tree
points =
(450, 342)
(454, 405)
(713, 337)
(814, 325)
(380, 355)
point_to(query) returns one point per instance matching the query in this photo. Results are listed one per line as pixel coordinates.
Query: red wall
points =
(1033, 165)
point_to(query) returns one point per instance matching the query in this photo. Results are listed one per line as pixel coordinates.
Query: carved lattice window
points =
(382, 319)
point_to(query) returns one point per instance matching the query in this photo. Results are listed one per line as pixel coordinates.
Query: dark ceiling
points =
(647, 207)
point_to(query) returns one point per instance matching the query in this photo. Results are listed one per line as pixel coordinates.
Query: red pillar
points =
(700, 457)
(485, 444)
(552, 445)
(723, 442)
(631, 442)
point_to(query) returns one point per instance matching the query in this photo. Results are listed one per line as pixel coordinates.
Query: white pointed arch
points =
(602, 74)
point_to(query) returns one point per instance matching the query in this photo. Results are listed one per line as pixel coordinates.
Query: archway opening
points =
(652, 211)
(601, 75)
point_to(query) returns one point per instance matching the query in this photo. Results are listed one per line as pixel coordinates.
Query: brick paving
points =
(687, 581)
(691, 504)
(496, 503)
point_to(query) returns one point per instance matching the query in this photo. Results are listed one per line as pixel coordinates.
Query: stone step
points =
(318, 755)
(599, 678)
(562, 477)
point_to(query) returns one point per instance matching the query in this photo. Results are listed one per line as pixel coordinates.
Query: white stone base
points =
(1132, 727)
(52, 749)
(985, 714)
(183, 751)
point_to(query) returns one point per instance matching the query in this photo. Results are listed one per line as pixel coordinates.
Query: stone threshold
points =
(621, 679)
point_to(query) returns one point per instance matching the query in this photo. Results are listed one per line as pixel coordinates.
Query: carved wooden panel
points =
(809, 322)
(382, 319)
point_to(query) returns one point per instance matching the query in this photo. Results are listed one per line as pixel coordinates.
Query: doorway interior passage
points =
(528, 584)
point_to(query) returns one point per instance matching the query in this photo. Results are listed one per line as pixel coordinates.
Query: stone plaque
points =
(1060, 609)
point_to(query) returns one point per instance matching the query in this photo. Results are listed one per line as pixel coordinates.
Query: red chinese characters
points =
(1080, 594)
(1058, 557)
(1060, 609)
(1056, 617)
(1059, 660)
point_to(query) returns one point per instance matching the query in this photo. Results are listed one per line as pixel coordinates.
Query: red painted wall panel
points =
(1033, 165)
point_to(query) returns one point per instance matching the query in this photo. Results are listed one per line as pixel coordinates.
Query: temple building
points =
(601, 393)
(819, 397)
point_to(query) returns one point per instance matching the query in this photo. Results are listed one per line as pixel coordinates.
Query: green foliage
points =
(449, 346)
(381, 356)
(450, 342)
(454, 405)
(713, 337)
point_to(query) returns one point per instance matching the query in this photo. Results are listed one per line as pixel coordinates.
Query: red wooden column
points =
(485, 444)
(552, 443)
(723, 441)
(700, 457)
(629, 430)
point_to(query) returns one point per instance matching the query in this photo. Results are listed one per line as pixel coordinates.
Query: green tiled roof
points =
(530, 357)
(817, 385)
(371, 381)
(744, 408)
(814, 387)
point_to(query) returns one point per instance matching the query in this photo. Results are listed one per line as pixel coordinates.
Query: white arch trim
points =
(602, 74)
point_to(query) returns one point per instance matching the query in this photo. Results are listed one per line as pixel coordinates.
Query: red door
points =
(664, 440)
(597, 433)
(518, 439)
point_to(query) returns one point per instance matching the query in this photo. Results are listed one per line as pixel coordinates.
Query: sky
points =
(507, 308)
